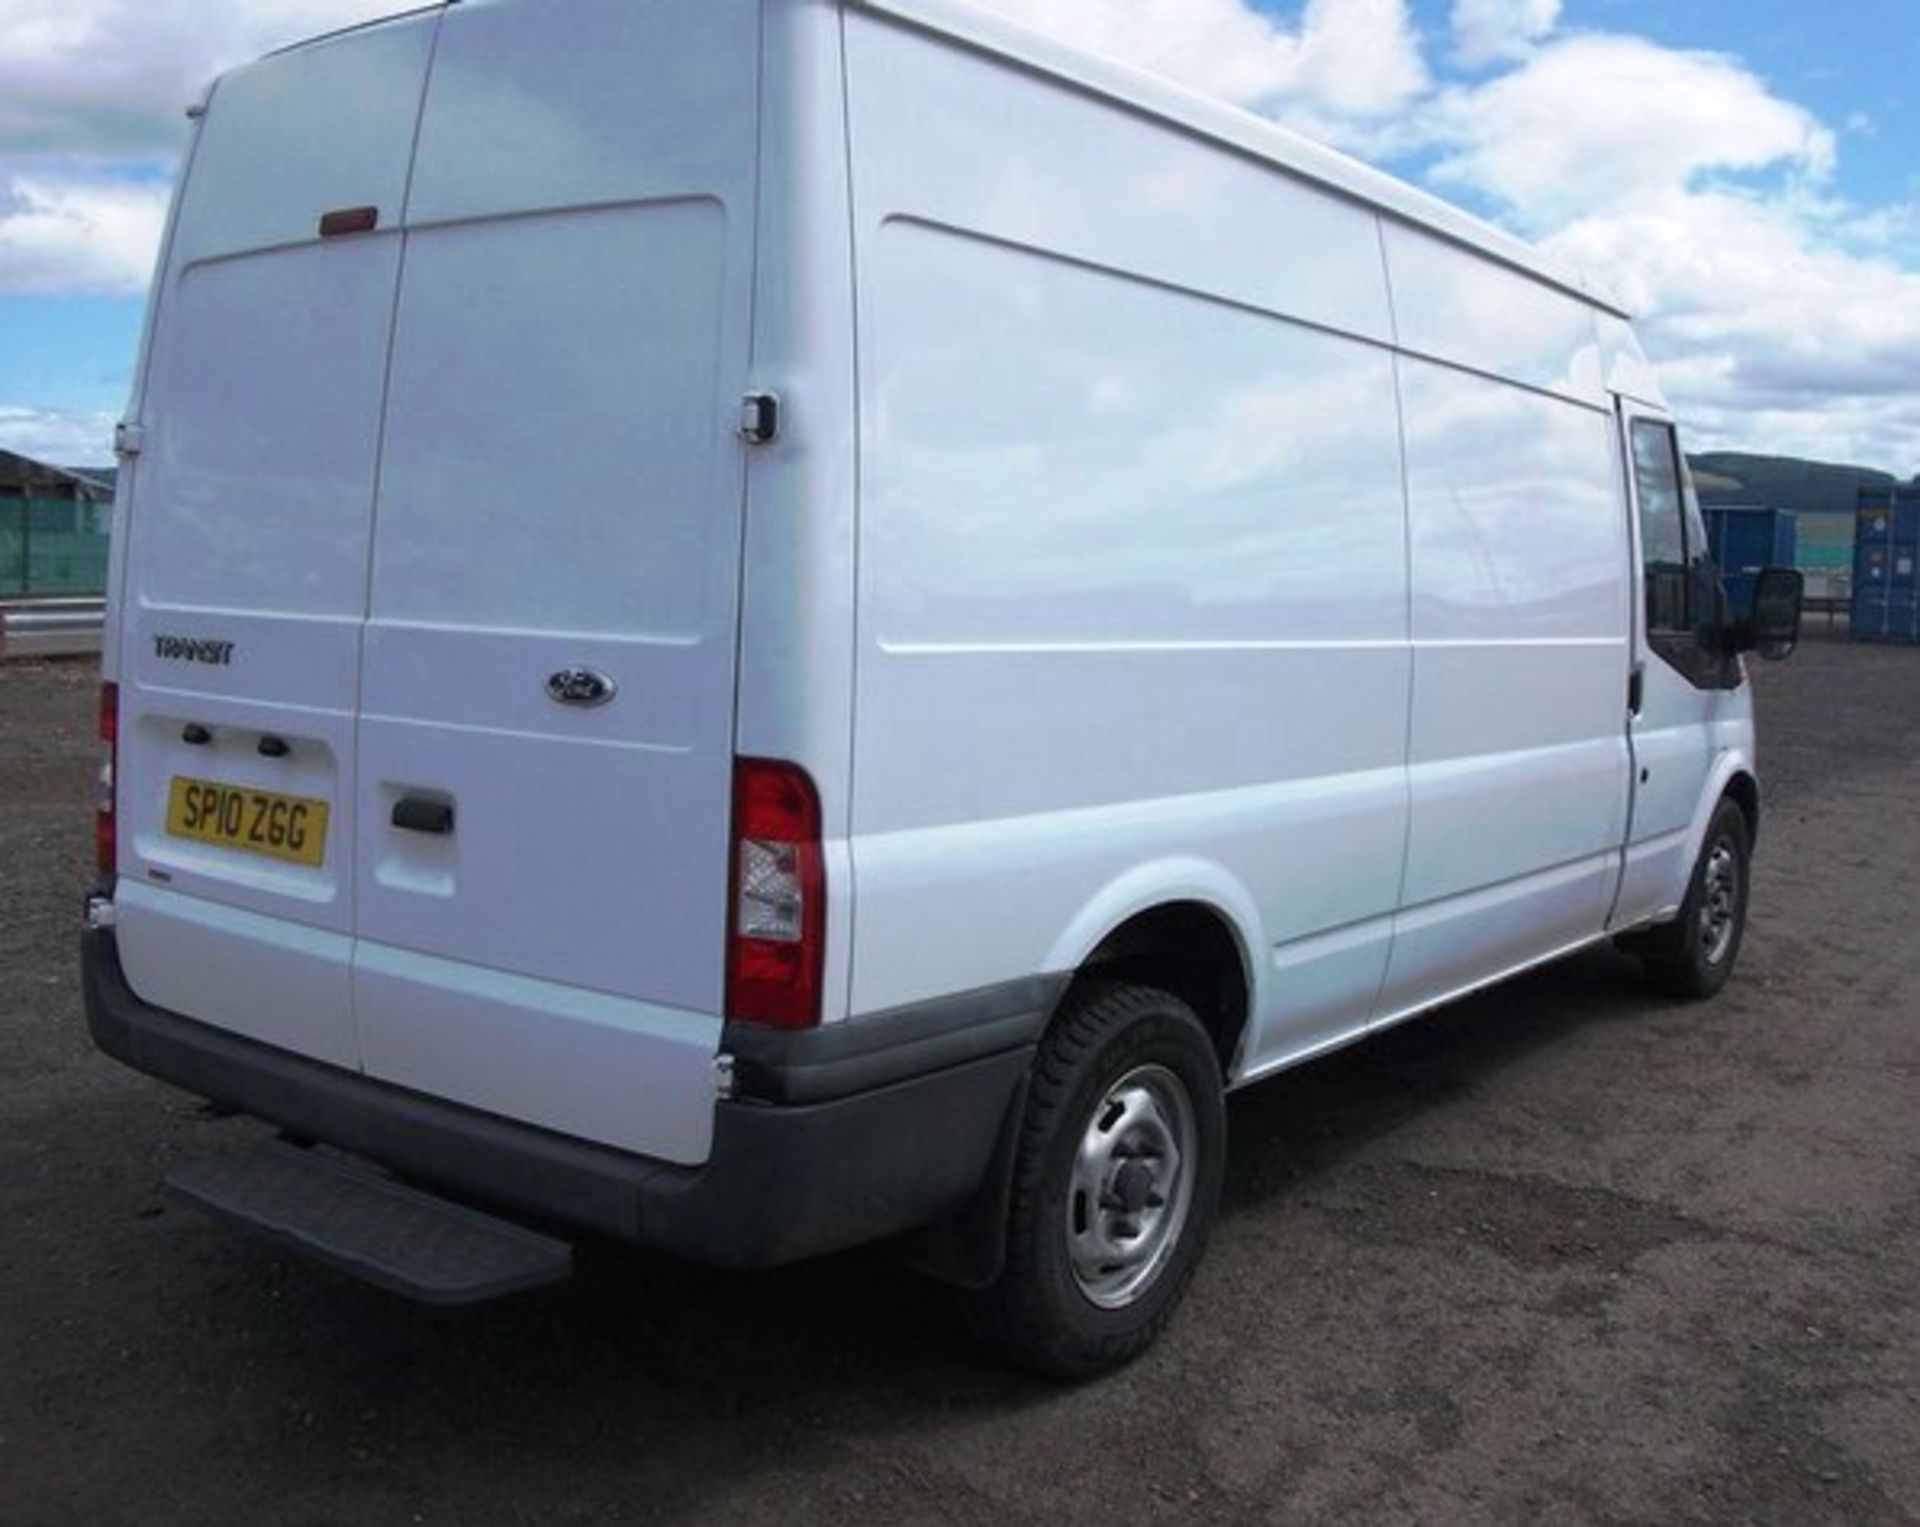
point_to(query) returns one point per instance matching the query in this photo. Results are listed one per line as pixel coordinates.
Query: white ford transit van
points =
(753, 625)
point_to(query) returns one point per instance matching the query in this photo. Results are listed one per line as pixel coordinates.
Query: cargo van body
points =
(694, 579)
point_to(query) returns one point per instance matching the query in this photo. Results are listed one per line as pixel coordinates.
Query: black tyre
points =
(1116, 1180)
(1692, 956)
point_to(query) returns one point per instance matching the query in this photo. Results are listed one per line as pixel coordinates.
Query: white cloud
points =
(1682, 183)
(1346, 58)
(66, 438)
(1358, 58)
(1764, 329)
(1593, 120)
(112, 77)
(1488, 31)
(79, 233)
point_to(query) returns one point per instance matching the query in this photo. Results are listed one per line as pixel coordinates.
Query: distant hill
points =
(1782, 482)
(1713, 488)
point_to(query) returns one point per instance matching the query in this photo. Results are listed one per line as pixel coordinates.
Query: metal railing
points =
(50, 627)
(1830, 593)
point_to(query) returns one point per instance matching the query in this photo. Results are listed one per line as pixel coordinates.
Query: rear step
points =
(377, 1230)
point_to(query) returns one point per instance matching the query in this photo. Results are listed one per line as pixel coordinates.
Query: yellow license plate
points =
(289, 827)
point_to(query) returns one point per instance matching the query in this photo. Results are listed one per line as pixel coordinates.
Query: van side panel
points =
(1455, 306)
(1522, 617)
(1133, 571)
(1521, 608)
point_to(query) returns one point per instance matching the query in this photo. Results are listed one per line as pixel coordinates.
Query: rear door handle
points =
(414, 813)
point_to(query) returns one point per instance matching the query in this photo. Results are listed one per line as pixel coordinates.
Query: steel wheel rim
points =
(1132, 1185)
(1720, 903)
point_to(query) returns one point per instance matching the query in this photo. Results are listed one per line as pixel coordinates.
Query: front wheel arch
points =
(1744, 791)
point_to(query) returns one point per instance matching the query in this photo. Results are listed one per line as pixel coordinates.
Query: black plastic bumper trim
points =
(783, 1182)
(837, 1060)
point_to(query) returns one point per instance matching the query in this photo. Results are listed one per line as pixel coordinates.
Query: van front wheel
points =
(1692, 956)
(1116, 1179)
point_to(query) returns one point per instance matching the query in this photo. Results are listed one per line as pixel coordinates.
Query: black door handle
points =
(413, 813)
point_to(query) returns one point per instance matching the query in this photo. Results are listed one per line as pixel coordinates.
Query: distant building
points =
(54, 523)
(1826, 542)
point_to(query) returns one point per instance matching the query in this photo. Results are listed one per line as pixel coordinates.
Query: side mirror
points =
(1773, 629)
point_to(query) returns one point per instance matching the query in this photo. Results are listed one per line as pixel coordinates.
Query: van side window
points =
(1684, 605)
(1663, 539)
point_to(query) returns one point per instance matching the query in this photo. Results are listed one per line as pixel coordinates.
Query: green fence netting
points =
(52, 546)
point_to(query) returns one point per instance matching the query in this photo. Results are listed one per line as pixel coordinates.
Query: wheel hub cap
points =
(1132, 1185)
(1720, 906)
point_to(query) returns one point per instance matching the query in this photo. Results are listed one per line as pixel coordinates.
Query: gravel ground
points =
(1563, 1253)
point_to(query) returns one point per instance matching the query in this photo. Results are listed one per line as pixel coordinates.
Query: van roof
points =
(1205, 117)
(361, 26)
(1238, 130)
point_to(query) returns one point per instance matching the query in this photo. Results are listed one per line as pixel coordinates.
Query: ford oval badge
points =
(581, 686)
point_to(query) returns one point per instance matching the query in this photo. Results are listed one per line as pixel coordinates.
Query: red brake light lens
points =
(778, 935)
(105, 838)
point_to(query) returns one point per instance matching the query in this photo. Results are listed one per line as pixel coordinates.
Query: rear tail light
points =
(779, 927)
(105, 838)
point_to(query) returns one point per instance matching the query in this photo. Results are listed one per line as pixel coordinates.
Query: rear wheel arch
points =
(1190, 949)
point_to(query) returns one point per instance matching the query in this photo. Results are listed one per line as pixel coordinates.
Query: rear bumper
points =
(908, 1145)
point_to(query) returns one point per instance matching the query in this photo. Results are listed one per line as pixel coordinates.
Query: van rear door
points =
(547, 711)
(250, 519)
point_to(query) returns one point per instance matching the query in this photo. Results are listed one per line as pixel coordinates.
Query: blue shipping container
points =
(1745, 543)
(1886, 566)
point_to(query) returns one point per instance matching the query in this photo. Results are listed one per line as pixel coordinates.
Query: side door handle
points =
(1636, 689)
